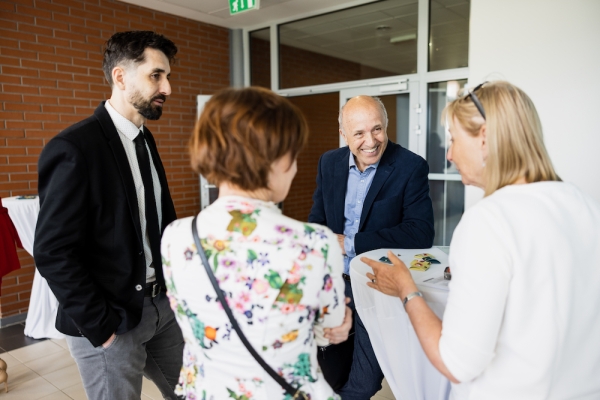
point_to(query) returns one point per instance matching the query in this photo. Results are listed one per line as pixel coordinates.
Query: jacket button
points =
(138, 287)
(141, 253)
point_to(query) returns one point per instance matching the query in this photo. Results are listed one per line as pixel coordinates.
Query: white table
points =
(408, 371)
(41, 316)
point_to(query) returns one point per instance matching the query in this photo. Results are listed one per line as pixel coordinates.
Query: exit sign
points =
(238, 6)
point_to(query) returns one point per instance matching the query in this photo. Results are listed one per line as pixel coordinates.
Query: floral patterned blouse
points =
(283, 281)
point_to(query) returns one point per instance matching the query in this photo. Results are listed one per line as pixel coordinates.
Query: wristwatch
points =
(411, 296)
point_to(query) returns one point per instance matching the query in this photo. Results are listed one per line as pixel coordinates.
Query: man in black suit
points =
(374, 194)
(104, 203)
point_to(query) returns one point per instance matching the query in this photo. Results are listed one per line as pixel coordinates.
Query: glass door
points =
(445, 185)
(208, 192)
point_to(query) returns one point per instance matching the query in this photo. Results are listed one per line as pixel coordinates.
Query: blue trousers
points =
(351, 367)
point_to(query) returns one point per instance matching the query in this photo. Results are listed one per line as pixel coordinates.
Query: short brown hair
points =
(514, 134)
(241, 132)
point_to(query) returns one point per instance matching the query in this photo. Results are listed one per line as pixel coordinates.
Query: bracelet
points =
(411, 296)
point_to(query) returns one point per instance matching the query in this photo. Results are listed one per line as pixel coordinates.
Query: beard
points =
(146, 108)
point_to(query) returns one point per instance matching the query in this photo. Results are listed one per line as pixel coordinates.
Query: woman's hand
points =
(339, 334)
(393, 280)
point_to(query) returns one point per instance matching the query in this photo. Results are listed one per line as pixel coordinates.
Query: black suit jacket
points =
(88, 241)
(397, 211)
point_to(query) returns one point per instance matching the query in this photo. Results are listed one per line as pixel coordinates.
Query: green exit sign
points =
(238, 6)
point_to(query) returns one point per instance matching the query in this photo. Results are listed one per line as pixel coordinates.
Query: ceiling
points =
(216, 12)
(378, 34)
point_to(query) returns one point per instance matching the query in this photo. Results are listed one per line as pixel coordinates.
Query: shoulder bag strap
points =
(292, 391)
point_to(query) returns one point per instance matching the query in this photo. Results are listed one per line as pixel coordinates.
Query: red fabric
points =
(9, 261)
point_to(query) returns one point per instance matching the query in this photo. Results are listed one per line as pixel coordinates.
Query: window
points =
(260, 58)
(446, 189)
(448, 34)
(371, 41)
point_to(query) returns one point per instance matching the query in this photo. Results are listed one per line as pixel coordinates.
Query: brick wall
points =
(260, 62)
(321, 111)
(51, 77)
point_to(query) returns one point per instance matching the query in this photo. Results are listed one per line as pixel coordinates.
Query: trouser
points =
(351, 367)
(153, 349)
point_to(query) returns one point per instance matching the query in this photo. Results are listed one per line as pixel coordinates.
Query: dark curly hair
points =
(130, 46)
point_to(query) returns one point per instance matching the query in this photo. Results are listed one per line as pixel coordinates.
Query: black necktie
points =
(149, 200)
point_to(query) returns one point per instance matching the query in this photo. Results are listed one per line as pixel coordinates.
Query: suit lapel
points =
(384, 170)
(340, 182)
(114, 141)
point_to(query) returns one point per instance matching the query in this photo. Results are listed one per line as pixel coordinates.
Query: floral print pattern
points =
(282, 280)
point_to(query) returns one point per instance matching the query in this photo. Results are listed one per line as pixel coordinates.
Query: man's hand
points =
(109, 341)
(339, 334)
(340, 239)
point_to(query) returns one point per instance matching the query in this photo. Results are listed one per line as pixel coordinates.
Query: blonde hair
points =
(514, 134)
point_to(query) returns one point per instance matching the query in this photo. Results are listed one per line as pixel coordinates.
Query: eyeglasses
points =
(475, 99)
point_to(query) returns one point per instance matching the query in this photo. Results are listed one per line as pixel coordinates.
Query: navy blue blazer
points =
(397, 212)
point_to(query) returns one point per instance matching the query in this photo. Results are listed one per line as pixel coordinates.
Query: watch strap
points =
(411, 296)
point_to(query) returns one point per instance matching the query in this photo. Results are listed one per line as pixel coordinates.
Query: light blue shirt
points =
(358, 187)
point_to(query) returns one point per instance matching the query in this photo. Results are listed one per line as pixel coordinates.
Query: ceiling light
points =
(403, 38)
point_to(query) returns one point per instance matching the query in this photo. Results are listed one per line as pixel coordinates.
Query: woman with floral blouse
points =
(282, 278)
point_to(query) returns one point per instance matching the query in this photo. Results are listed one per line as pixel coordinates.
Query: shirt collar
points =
(123, 125)
(352, 163)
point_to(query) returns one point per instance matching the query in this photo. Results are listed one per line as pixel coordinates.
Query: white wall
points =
(551, 50)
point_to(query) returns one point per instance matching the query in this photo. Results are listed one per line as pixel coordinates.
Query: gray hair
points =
(379, 104)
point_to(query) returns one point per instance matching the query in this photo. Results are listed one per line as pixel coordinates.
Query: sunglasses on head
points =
(475, 99)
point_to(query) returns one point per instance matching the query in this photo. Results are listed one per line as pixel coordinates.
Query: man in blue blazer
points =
(374, 194)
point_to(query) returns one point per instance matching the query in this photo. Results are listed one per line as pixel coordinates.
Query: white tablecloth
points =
(41, 316)
(408, 371)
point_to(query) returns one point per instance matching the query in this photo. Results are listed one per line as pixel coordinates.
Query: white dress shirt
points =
(128, 132)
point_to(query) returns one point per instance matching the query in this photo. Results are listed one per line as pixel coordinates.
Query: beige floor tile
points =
(144, 397)
(10, 360)
(30, 353)
(64, 378)
(50, 363)
(385, 393)
(56, 396)
(150, 389)
(19, 374)
(32, 389)
(76, 392)
(61, 342)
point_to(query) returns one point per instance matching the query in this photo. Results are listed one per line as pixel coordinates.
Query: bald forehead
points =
(361, 103)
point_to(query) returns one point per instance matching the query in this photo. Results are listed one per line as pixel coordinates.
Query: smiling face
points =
(468, 153)
(364, 130)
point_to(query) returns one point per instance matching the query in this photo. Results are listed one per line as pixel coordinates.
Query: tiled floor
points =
(44, 369)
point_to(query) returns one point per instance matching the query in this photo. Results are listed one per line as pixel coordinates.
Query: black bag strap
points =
(292, 391)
